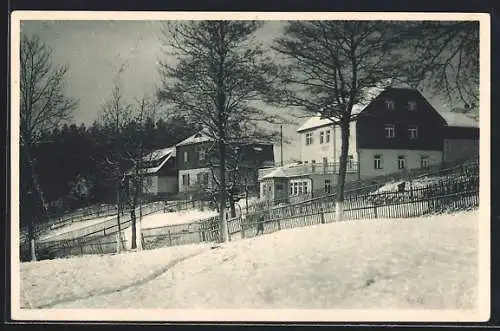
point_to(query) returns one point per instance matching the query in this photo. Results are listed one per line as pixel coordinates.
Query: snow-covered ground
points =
(251, 201)
(46, 282)
(415, 263)
(149, 221)
(180, 217)
(413, 184)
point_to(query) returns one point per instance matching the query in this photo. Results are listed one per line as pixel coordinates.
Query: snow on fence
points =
(461, 192)
(103, 226)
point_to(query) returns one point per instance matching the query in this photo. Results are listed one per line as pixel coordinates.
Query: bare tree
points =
(220, 69)
(115, 116)
(332, 67)
(44, 105)
(445, 58)
(139, 155)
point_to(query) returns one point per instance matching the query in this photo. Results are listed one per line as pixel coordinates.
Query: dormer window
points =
(389, 104)
(412, 106)
(390, 131)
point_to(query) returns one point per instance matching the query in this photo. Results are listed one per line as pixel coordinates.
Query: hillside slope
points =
(419, 263)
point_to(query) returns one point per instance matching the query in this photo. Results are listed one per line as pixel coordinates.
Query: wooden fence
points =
(459, 192)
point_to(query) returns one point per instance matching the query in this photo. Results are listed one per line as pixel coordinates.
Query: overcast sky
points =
(95, 50)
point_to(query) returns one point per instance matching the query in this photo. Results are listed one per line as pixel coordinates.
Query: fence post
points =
(243, 221)
(375, 210)
(33, 249)
(169, 238)
(118, 243)
(322, 216)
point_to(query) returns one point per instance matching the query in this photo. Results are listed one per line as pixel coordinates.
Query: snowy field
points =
(415, 263)
(75, 226)
(180, 217)
(159, 219)
(416, 183)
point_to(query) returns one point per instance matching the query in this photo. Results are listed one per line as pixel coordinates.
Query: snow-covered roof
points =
(454, 118)
(196, 138)
(159, 153)
(166, 153)
(317, 122)
(314, 122)
(281, 171)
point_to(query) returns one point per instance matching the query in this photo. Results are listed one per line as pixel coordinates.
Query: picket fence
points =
(460, 192)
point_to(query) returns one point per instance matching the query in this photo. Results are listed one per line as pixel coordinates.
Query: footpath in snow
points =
(419, 263)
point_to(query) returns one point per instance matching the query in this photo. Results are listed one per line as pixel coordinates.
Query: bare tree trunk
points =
(39, 191)
(221, 126)
(139, 222)
(118, 209)
(232, 205)
(339, 206)
(224, 235)
(133, 226)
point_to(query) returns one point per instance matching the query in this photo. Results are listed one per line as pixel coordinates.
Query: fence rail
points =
(459, 190)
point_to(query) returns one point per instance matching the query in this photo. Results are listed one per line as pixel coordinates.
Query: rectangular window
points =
(295, 188)
(186, 156)
(185, 179)
(390, 131)
(291, 188)
(412, 106)
(412, 132)
(328, 186)
(401, 162)
(313, 161)
(306, 161)
(424, 161)
(377, 162)
(198, 178)
(321, 137)
(201, 154)
(327, 136)
(301, 187)
(389, 104)
(205, 179)
(305, 187)
(309, 138)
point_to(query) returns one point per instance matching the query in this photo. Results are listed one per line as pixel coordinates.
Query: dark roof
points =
(400, 93)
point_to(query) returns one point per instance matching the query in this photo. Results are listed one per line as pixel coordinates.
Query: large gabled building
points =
(197, 162)
(398, 130)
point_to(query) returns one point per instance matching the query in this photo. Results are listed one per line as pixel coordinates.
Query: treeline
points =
(69, 162)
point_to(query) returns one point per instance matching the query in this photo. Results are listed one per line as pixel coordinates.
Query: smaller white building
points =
(300, 181)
